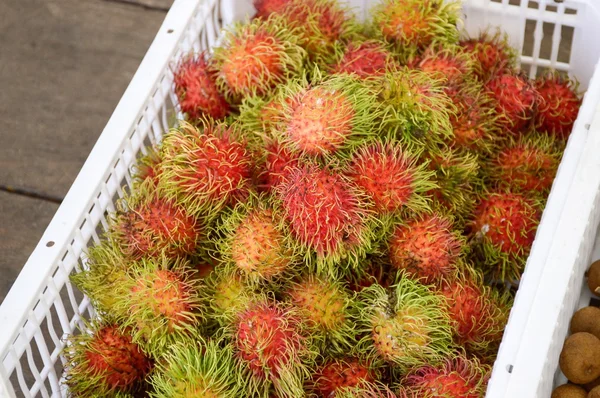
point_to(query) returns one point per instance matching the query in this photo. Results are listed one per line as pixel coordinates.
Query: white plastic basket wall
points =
(42, 307)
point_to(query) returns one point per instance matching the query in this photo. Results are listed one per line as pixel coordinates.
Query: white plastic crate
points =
(42, 307)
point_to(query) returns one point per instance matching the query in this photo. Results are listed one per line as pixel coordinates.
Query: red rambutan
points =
(196, 88)
(321, 24)
(492, 54)
(516, 101)
(264, 8)
(457, 378)
(528, 165)
(269, 341)
(256, 57)
(365, 60)
(560, 106)
(390, 177)
(478, 313)
(105, 362)
(149, 225)
(205, 170)
(413, 25)
(327, 116)
(425, 248)
(502, 231)
(336, 375)
(326, 212)
(453, 65)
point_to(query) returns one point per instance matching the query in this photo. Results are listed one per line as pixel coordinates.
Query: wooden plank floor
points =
(64, 65)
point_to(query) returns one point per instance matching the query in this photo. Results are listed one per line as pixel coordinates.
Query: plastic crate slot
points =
(50, 243)
(566, 44)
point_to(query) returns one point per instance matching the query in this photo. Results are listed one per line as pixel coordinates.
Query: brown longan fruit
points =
(594, 393)
(580, 358)
(593, 276)
(569, 391)
(587, 320)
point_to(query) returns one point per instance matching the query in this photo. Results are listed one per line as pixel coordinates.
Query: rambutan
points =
(205, 171)
(264, 8)
(457, 179)
(271, 344)
(253, 240)
(426, 248)
(366, 60)
(328, 115)
(502, 231)
(527, 165)
(159, 303)
(278, 161)
(366, 390)
(104, 362)
(478, 313)
(375, 269)
(257, 56)
(321, 24)
(196, 89)
(148, 225)
(450, 63)
(338, 374)
(390, 176)
(225, 294)
(416, 108)
(458, 377)
(105, 270)
(147, 167)
(414, 25)
(328, 309)
(516, 99)
(492, 54)
(326, 212)
(474, 123)
(198, 369)
(406, 325)
(559, 107)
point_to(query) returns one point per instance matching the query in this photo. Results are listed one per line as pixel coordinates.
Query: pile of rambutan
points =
(343, 212)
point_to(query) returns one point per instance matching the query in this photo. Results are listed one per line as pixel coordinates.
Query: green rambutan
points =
(390, 176)
(198, 369)
(457, 377)
(255, 242)
(225, 294)
(160, 303)
(425, 248)
(326, 213)
(103, 361)
(328, 309)
(105, 270)
(321, 24)
(478, 313)
(492, 54)
(416, 108)
(414, 25)
(366, 60)
(527, 165)
(406, 325)
(271, 344)
(196, 89)
(516, 99)
(457, 178)
(148, 224)
(560, 106)
(502, 231)
(257, 56)
(338, 374)
(205, 171)
(327, 116)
